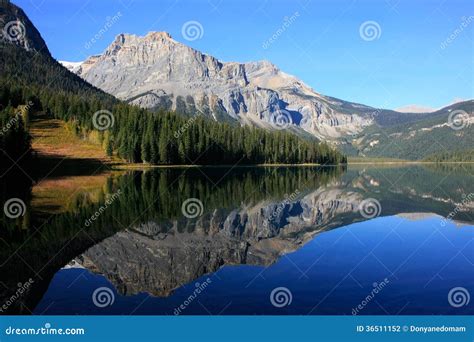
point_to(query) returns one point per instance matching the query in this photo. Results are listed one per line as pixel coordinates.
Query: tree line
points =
(452, 156)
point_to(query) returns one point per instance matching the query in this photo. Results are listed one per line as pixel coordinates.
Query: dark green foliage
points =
(455, 156)
(14, 139)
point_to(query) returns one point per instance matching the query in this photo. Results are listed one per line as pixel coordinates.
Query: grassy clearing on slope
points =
(52, 138)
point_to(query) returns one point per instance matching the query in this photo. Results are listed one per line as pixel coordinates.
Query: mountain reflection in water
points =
(255, 232)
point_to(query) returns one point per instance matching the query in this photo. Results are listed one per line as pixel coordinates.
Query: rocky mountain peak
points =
(154, 36)
(125, 39)
(262, 65)
(146, 51)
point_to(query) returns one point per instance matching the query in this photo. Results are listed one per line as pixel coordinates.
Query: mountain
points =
(449, 129)
(157, 72)
(71, 66)
(413, 108)
(16, 28)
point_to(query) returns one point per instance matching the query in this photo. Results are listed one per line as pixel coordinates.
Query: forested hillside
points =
(416, 140)
(455, 156)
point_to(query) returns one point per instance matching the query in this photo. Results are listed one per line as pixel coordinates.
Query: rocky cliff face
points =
(16, 28)
(155, 71)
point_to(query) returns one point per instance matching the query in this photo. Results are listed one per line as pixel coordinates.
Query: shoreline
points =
(407, 162)
(177, 166)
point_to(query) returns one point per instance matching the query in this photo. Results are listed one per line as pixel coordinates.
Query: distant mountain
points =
(71, 66)
(156, 72)
(413, 108)
(446, 130)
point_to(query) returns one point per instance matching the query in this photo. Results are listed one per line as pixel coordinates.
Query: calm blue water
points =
(331, 274)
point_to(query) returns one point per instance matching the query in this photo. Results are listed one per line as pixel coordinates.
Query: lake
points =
(361, 240)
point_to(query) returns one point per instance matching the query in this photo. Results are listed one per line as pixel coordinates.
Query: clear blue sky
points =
(404, 65)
